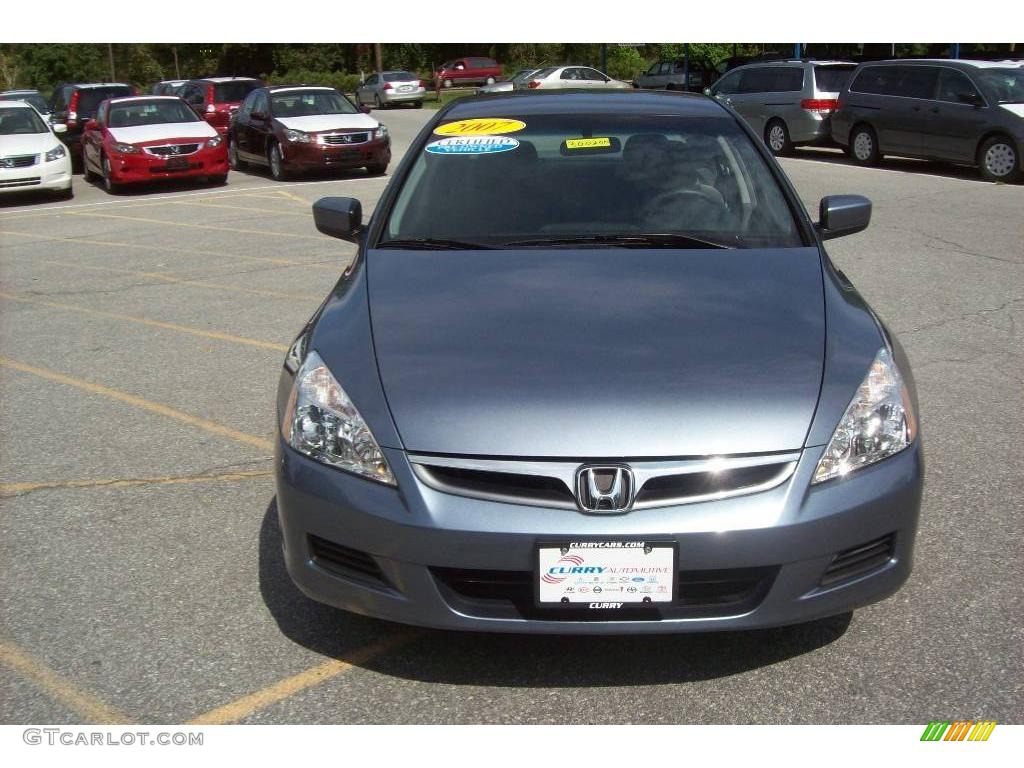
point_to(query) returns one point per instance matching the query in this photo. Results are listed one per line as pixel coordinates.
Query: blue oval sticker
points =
(471, 145)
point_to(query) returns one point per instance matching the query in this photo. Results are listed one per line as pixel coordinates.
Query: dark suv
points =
(215, 99)
(966, 112)
(74, 104)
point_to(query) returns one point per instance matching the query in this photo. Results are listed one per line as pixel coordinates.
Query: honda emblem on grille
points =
(174, 149)
(606, 489)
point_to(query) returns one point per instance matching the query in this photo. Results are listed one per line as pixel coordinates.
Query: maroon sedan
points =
(306, 128)
(146, 138)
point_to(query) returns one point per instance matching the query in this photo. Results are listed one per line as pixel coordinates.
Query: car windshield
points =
(302, 103)
(19, 120)
(150, 113)
(34, 99)
(1006, 86)
(594, 179)
(90, 98)
(234, 91)
(399, 76)
(833, 77)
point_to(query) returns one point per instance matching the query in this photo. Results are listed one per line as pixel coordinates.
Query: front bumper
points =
(141, 167)
(406, 549)
(54, 175)
(310, 156)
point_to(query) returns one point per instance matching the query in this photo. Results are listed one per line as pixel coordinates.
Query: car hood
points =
(27, 143)
(140, 134)
(316, 123)
(599, 353)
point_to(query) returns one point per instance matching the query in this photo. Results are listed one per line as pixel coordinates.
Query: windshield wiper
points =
(632, 240)
(434, 244)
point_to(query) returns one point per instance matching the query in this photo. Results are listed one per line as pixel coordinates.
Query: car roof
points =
(283, 88)
(15, 104)
(99, 85)
(957, 63)
(26, 91)
(790, 62)
(619, 102)
(150, 97)
(223, 79)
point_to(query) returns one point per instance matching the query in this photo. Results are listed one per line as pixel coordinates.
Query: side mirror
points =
(840, 215)
(364, 109)
(339, 217)
(707, 92)
(970, 97)
(60, 128)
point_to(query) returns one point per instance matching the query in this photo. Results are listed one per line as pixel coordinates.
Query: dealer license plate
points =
(606, 574)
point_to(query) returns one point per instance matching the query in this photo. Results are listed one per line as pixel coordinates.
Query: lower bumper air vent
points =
(860, 560)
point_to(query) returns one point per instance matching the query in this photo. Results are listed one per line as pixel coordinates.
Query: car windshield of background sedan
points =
(592, 180)
(1005, 85)
(303, 103)
(398, 76)
(150, 113)
(19, 121)
(236, 90)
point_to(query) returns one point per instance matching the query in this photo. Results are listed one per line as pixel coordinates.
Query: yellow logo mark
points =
(587, 143)
(480, 126)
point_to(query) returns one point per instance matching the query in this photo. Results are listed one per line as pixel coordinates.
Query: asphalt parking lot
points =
(140, 569)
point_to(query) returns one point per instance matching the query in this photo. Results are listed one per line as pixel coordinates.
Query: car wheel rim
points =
(275, 162)
(776, 138)
(106, 174)
(862, 146)
(1000, 159)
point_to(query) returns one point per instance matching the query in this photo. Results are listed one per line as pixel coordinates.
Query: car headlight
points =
(322, 423)
(300, 136)
(56, 153)
(125, 148)
(878, 423)
(381, 132)
(214, 142)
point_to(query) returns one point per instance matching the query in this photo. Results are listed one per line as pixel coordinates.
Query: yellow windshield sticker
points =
(602, 142)
(480, 126)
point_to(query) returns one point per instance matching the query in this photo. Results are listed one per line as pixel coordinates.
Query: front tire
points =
(864, 146)
(490, 81)
(377, 170)
(418, 105)
(217, 181)
(998, 160)
(447, 83)
(87, 173)
(109, 184)
(776, 136)
(276, 162)
(376, 101)
(236, 163)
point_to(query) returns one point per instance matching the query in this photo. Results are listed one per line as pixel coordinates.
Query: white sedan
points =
(553, 78)
(31, 155)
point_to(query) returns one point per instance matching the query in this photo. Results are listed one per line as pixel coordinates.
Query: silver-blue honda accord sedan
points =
(593, 371)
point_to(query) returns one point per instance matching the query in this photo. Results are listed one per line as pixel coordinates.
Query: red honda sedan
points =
(147, 138)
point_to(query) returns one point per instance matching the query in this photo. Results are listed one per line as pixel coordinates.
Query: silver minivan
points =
(787, 103)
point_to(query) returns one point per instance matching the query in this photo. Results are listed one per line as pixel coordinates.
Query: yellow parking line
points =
(200, 204)
(247, 705)
(114, 394)
(146, 321)
(16, 489)
(176, 251)
(84, 704)
(183, 281)
(260, 232)
(293, 196)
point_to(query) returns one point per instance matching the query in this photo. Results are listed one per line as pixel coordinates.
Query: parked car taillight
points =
(423, 83)
(210, 107)
(388, 86)
(72, 119)
(818, 105)
(533, 84)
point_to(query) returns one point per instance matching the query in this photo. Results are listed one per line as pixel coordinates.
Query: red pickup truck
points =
(470, 70)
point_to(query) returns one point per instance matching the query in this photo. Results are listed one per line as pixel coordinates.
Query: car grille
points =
(172, 150)
(18, 161)
(27, 181)
(346, 562)
(550, 483)
(346, 138)
(699, 594)
(859, 561)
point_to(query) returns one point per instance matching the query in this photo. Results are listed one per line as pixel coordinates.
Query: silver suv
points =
(786, 102)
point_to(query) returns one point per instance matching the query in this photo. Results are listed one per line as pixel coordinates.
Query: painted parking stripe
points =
(334, 267)
(19, 489)
(86, 705)
(228, 206)
(187, 225)
(152, 323)
(247, 705)
(147, 405)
